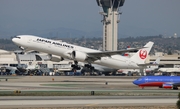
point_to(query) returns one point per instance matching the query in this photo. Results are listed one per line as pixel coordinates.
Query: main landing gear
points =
(175, 88)
(75, 66)
(89, 66)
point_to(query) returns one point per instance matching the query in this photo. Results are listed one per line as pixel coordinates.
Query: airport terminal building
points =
(168, 61)
(9, 58)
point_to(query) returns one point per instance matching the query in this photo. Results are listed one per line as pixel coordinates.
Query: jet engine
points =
(167, 86)
(56, 59)
(50, 57)
(79, 56)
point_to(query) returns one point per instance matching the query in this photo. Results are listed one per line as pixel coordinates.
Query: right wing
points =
(97, 55)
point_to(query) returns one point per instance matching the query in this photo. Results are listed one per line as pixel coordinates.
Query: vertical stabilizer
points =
(157, 61)
(153, 65)
(142, 54)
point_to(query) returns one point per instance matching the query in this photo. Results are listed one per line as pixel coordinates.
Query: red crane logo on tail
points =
(143, 54)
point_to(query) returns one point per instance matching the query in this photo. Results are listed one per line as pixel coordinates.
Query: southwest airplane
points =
(168, 82)
(111, 59)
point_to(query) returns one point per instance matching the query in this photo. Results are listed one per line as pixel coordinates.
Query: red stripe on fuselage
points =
(167, 87)
(151, 84)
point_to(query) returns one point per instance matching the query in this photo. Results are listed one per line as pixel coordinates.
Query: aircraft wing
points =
(156, 62)
(98, 55)
(147, 64)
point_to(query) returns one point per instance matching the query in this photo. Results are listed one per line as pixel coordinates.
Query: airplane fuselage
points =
(171, 70)
(65, 50)
(158, 81)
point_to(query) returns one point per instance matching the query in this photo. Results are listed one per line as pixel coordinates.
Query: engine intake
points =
(79, 56)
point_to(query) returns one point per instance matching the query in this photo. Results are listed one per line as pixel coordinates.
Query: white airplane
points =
(147, 67)
(154, 65)
(111, 59)
(170, 70)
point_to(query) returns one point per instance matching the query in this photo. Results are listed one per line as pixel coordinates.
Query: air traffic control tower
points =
(110, 12)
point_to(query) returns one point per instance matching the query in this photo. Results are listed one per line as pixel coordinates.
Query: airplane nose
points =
(15, 39)
(135, 82)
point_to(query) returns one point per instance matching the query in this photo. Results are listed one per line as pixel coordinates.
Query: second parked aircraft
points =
(167, 82)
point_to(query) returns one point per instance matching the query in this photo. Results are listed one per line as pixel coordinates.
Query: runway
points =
(81, 101)
(76, 91)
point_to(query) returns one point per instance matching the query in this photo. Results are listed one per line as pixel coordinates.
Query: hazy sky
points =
(140, 17)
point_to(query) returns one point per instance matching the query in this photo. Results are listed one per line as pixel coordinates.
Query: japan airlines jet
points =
(159, 81)
(111, 59)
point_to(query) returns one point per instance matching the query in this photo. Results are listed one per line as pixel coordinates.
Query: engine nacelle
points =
(167, 86)
(68, 54)
(56, 59)
(53, 58)
(79, 56)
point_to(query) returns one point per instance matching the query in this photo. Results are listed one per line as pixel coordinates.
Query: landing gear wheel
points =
(75, 66)
(175, 88)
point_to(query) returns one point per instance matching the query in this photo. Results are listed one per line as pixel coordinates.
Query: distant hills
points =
(58, 32)
(62, 32)
(161, 44)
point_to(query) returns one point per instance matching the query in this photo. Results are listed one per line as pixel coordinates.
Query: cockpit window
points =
(139, 79)
(17, 37)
